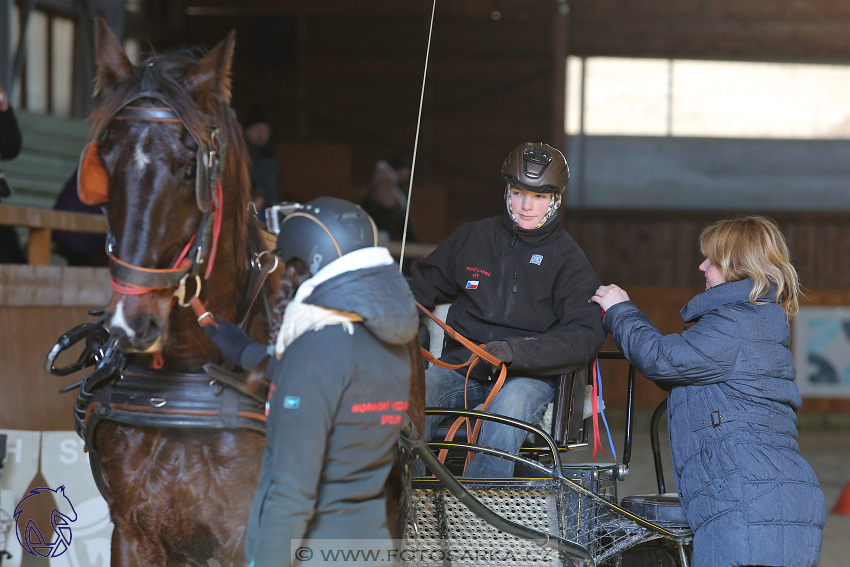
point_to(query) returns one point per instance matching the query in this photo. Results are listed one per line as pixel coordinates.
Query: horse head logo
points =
(31, 538)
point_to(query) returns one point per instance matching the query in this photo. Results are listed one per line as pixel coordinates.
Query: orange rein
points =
(478, 353)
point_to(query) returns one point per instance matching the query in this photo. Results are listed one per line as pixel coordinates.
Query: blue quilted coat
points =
(749, 496)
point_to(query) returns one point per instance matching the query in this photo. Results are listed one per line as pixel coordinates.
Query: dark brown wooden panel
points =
(773, 30)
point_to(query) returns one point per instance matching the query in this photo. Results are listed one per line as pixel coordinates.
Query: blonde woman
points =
(749, 496)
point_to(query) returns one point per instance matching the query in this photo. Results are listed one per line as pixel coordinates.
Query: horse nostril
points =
(151, 331)
(146, 330)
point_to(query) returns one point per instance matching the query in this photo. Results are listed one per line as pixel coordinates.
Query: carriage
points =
(571, 512)
(577, 502)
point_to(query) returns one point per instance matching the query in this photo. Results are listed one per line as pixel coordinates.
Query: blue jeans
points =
(520, 398)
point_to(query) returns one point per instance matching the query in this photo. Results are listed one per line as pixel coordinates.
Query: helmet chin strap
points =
(554, 203)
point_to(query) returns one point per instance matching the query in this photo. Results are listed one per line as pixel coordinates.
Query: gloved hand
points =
(501, 350)
(230, 340)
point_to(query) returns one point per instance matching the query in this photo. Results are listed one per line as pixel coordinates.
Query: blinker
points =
(92, 181)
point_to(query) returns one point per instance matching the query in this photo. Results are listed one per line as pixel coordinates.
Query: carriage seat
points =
(663, 509)
(564, 419)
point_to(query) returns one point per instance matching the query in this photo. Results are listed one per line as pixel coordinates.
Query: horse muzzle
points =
(138, 322)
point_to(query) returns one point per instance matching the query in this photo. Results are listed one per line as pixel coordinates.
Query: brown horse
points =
(180, 495)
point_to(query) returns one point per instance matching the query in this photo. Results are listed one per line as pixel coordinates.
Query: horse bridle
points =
(129, 279)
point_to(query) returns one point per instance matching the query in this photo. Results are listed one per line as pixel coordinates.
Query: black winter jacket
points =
(334, 414)
(10, 135)
(527, 287)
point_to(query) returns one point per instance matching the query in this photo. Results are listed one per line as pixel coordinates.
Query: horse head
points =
(161, 130)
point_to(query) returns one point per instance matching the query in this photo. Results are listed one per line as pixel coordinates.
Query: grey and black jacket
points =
(527, 287)
(334, 413)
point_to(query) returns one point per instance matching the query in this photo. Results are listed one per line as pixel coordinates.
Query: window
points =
(656, 97)
(46, 84)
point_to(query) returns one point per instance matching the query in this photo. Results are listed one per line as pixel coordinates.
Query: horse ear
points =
(211, 75)
(113, 65)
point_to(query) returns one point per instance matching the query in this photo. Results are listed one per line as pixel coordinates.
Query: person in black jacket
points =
(340, 378)
(10, 146)
(520, 284)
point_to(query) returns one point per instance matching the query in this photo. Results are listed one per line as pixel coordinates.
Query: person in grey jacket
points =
(340, 378)
(748, 495)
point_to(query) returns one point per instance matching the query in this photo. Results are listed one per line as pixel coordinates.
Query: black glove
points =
(501, 350)
(230, 340)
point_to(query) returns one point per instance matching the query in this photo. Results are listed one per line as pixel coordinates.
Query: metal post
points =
(21, 51)
(7, 8)
(581, 202)
(669, 97)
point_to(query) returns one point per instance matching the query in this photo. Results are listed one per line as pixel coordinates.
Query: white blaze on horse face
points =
(119, 322)
(142, 159)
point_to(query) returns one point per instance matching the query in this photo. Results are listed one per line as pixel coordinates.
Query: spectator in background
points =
(10, 146)
(78, 248)
(263, 167)
(386, 199)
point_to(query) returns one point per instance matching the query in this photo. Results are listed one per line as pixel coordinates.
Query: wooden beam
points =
(509, 8)
(38, 249)
(51, 220)
(53, 286)
(560, 43)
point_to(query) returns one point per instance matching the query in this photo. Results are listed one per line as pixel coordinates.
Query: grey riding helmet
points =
(323, 230)
(536, 167)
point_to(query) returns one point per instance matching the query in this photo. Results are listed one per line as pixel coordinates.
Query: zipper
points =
(515, 275)
(496, 302)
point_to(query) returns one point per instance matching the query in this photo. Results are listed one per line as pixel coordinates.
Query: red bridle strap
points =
(129, 289)
(219, 196)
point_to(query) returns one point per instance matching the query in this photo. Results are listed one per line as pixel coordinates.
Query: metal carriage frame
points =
(569, 510)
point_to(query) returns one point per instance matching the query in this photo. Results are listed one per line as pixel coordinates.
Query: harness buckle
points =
(180, 292)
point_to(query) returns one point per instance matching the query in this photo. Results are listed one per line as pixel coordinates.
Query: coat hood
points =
(379, 294)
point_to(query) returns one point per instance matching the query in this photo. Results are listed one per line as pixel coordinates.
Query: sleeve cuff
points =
(616, 311)
(252, 355)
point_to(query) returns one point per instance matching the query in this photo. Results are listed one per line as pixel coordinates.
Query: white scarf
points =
(301, 317)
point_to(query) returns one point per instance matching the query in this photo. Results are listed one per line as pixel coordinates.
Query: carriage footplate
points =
(447, 533)
(581, 507)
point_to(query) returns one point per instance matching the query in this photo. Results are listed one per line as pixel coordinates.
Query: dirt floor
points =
(825, 445)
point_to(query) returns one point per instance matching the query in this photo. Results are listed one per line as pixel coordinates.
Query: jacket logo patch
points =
(472, 284)
(292, 402)
(477, 271)
(536, 259)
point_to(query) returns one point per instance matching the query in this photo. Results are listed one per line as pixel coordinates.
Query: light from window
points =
(62, 65)
(709, 98)
(36, 82)
(132, 49)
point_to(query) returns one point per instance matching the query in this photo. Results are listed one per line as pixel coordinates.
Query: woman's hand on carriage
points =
(609, 295)
(230, 340)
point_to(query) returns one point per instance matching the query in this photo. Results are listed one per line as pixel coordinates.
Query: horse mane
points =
(164, 74)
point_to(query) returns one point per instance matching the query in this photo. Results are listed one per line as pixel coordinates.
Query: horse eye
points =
(189, 172)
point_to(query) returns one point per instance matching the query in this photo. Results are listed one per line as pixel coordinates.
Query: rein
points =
(478, 353)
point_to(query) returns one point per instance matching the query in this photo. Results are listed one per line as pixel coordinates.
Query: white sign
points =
(822, 351)
(19, 468)
(64, 463)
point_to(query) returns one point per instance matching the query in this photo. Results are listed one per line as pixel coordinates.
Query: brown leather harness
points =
(478, 353)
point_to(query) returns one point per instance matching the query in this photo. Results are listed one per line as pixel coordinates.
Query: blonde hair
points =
(753, 247)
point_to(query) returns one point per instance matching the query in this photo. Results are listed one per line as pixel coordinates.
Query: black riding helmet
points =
(536, 167)
(325, 229)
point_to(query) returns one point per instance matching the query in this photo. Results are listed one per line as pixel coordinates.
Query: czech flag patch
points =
(472, 284)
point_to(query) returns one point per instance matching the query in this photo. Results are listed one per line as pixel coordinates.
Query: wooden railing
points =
(40, 223)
